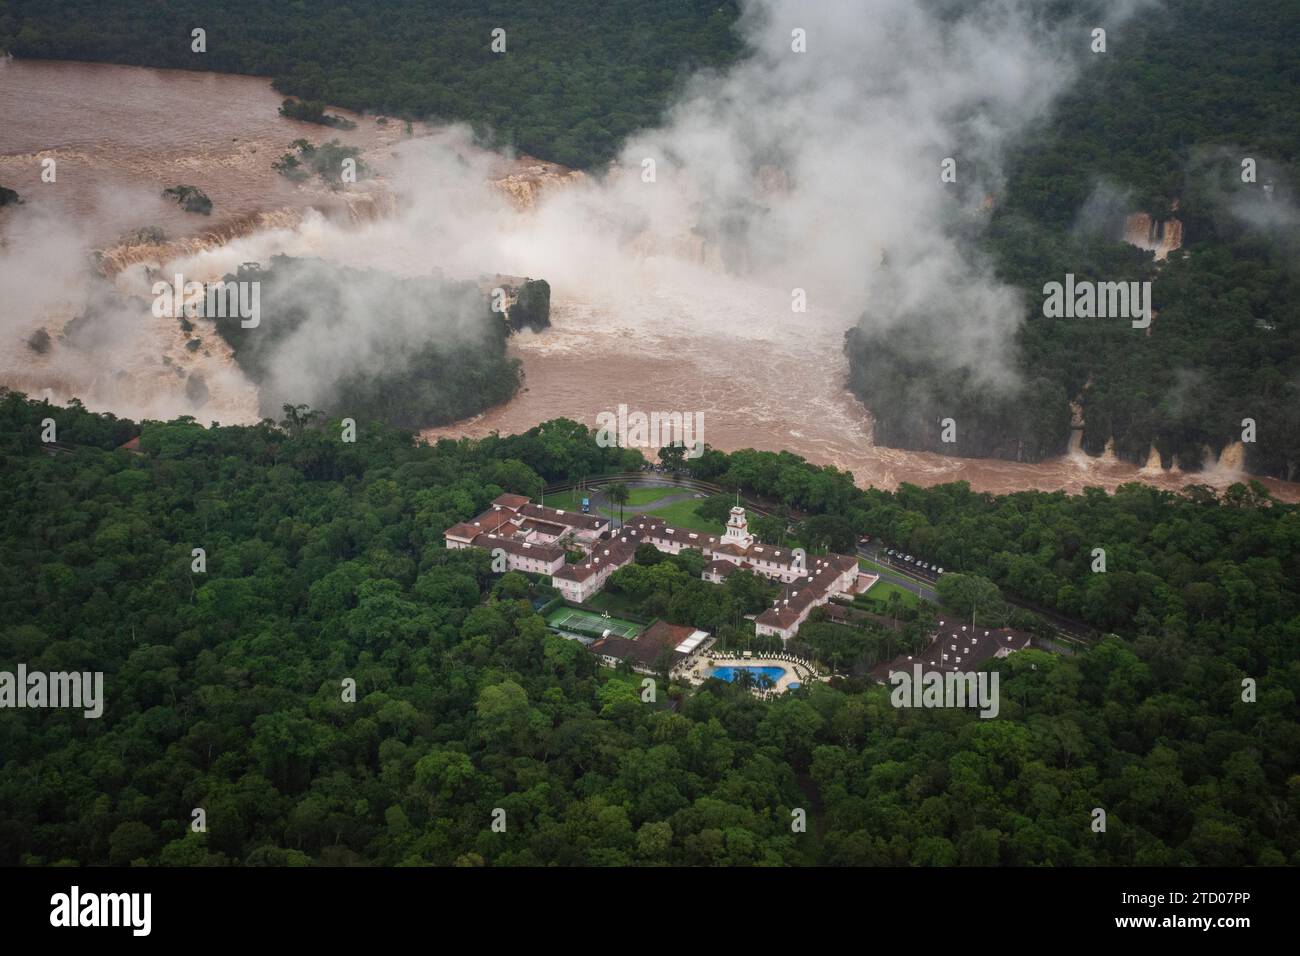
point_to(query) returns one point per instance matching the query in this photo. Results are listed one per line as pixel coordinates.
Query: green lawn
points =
(881, 590)
(572, 500)
(681, 514)
(872, 566)
(644, 496)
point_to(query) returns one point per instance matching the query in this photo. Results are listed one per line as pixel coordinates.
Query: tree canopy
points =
(324, 563)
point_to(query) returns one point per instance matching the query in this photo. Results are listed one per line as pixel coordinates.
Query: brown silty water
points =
(121, 134)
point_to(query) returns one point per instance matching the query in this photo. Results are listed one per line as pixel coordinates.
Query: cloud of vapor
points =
(362, 324)
(104, 346)
(816, 170)
(1269, 208)
(1266, 207)
(1105, 211)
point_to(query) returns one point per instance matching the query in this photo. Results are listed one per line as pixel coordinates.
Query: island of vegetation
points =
(190, 198)
(327, 161)
(531, 308)
(314, 112)
(448, 362)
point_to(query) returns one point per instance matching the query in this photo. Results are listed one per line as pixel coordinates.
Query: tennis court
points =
(585, 622)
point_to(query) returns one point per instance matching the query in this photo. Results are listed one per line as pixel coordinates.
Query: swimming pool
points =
(729, 673)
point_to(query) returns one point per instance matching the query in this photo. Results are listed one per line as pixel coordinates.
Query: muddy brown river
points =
(659, 336)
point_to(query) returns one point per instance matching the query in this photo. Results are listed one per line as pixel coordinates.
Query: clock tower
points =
(738, 529)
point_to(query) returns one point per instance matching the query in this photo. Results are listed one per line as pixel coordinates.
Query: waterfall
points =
(1161, 238)
(130, 252)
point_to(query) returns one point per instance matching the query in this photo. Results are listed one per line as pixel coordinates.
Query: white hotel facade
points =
(531, 536)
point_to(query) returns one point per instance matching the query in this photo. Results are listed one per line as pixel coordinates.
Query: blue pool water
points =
(729, 673)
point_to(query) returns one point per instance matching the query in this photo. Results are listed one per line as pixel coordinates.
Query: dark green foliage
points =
(325, 160)
(39, 341)
(8, 197)
(190, 198)
(458, 368)
(532, 308)
(325, 562)
(314, 112)
(576, 79)
(1164, 120)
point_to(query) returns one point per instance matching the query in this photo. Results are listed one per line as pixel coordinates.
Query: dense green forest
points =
(324, 561)
(1161, 123)
(414, 352)
(576, 78)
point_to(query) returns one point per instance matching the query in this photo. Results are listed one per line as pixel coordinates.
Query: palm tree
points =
(618, 494)
(894, 605)
(297, 418)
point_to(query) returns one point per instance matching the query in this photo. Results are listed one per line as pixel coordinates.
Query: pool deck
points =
(795, 672)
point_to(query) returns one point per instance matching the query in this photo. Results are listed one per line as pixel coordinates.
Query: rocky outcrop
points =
(525, 179)
(527, 301)
(532, 308)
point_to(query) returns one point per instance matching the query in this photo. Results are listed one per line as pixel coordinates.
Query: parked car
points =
(938, 570)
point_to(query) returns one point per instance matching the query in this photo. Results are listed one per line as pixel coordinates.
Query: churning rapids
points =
(667, 330)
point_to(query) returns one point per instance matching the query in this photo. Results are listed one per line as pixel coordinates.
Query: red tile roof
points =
(725, 568)
(512, 502)
(574, 519)
(616, 551)
(973, 647)
(646, 648)
(487, 522)
(511, 545)
(805, 591)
